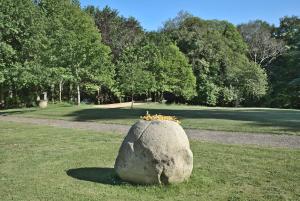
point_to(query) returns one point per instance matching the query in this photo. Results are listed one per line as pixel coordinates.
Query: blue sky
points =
(152, 13)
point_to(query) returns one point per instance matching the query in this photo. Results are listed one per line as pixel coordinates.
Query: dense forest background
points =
(98, 56)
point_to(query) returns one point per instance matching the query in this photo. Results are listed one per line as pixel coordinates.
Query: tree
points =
(216, 51)
(117, 32)
(173, 24)
(285, 70)
(169, 67)
(22, 37)
(155, 67)
(263, 46)
(247, 80)
(132, 73)
(76, 46)
(46, 45)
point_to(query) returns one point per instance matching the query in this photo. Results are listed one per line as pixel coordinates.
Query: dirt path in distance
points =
(118, 105)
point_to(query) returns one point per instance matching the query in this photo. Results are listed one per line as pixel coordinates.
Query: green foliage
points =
(117, 32)
(285, 71)
(248, 80)
(157, 66)
(22, 37)
(217, 53)
(78, 46)
(170, 67)
(132, 73)
(48, 44)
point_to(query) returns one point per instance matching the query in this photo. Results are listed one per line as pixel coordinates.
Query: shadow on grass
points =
(14, 111)
(95, 174)
(282, 119)
(242, 115)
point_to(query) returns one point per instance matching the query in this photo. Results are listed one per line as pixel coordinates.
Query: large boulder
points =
(155, 152)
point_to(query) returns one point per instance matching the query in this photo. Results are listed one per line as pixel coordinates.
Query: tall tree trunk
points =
(10, 92)
(161, 97)
(147, 96)
(1, 96)
(98, 96)
(131, 100)
(45, 96)
(71, 93)
(78, 95)
(52, 93)
(60, 90)
(237, 102)
(37, 94)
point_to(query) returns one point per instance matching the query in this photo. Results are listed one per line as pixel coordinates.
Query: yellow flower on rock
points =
(149, 117)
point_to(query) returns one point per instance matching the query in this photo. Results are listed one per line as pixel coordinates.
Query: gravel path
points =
(266, 140)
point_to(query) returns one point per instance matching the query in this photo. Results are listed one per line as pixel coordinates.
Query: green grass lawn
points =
(260, 120)
(45, 163)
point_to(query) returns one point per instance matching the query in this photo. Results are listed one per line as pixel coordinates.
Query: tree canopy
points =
(285, 70)
(96, 55)
(217, 53)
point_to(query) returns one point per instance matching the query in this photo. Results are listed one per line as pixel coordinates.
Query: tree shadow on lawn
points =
(96, 174)
(283, 119)
(245, 115)
(19, 111)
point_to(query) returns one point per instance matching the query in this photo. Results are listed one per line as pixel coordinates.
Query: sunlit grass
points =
(44, 163)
